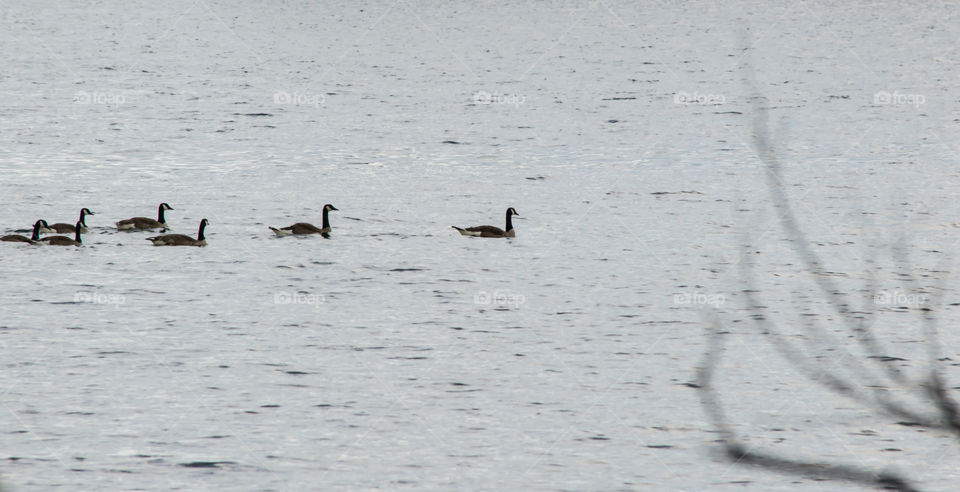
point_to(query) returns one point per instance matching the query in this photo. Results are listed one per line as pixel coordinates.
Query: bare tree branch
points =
(864, 383)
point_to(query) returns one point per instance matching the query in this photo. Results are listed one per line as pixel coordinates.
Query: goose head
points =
(84, 212)
(328, 207)
(165, 206)
(512, 211)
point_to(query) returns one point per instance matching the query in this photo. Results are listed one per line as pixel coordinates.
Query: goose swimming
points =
(181, 239)
(17, 238)
(64, 240)
(491, 231)
(305, 228)
(66, 228)
(141, 223)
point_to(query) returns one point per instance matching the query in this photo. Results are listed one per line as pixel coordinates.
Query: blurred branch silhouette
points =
(864, 380)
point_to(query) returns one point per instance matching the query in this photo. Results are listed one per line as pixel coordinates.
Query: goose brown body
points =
(300, 228)
(16, 238)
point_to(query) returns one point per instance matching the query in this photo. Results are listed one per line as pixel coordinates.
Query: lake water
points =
(399, 355)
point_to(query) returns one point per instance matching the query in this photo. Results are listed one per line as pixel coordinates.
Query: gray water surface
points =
(399, 355)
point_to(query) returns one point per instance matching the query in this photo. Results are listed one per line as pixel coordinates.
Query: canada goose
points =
(490, 231)
(64, 228)
(181, 239)
(16, 238)
(145, 223)
(64, 240)
(305, 228)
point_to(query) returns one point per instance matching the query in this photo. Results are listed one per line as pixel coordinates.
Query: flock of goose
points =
(145, 224)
